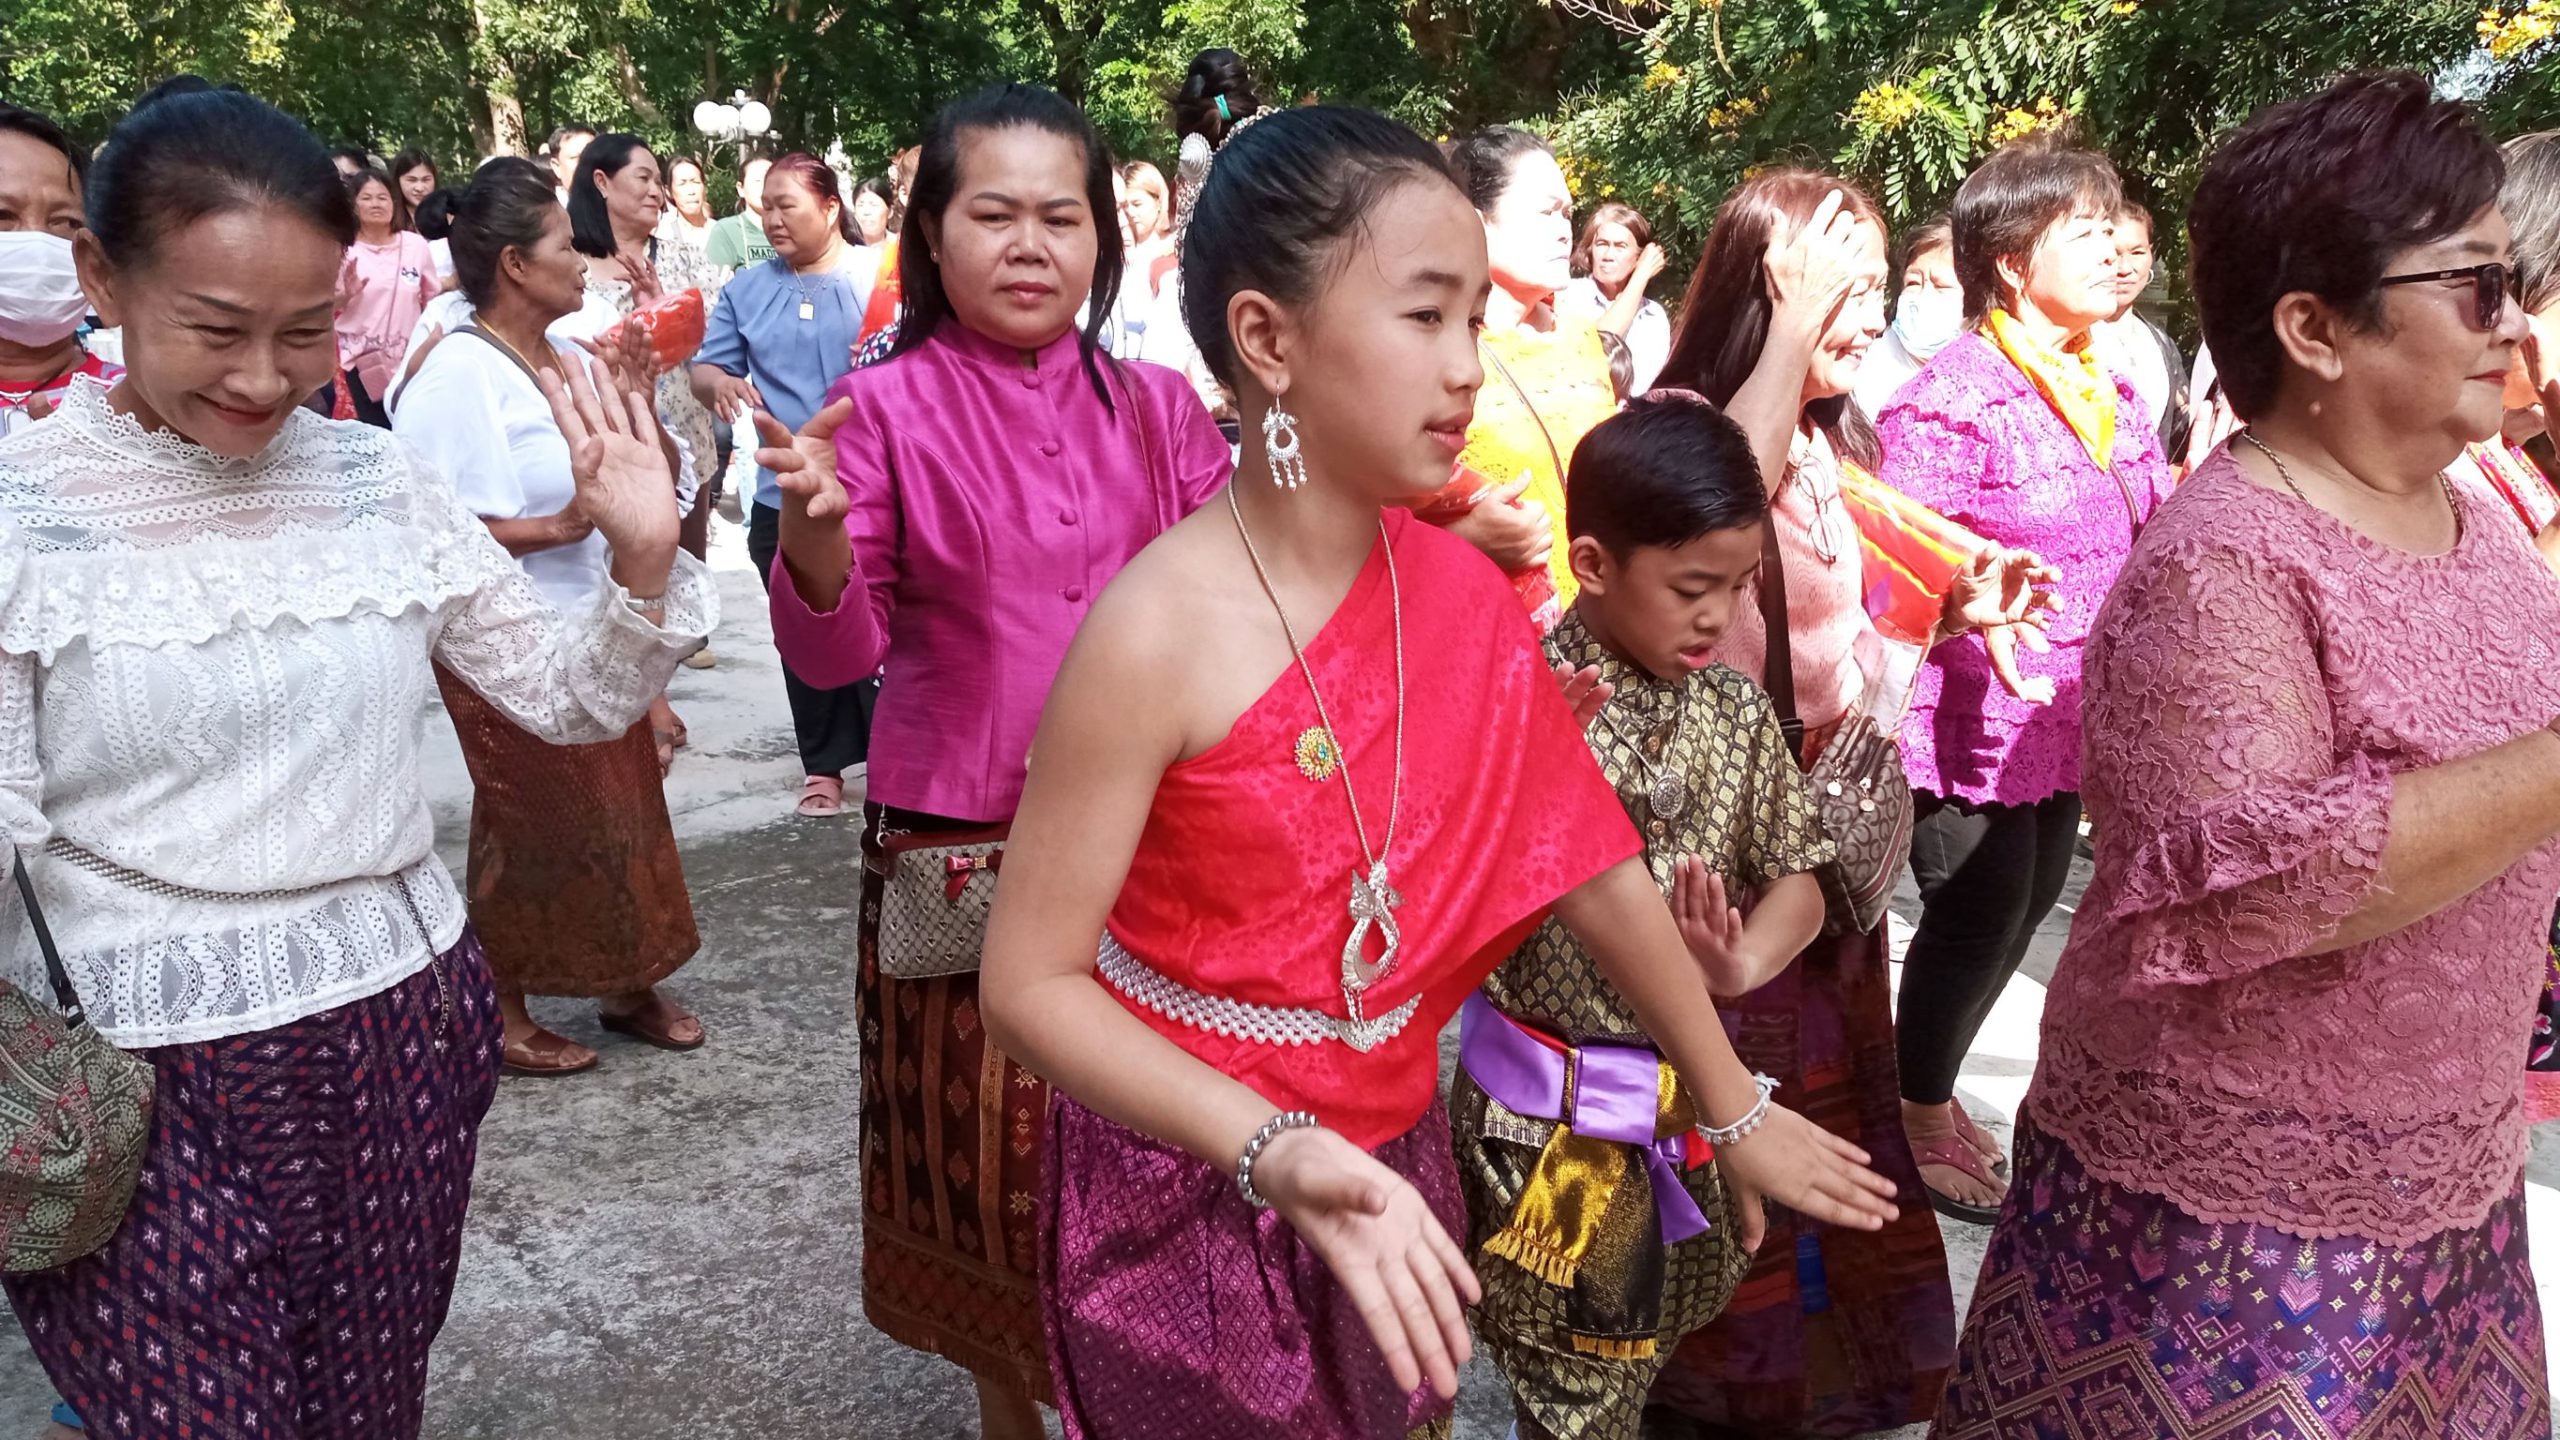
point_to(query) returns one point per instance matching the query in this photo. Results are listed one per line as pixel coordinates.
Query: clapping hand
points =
(631, 359)
(1585, 693)
(1711, 926)
(2002, 643)
(2000, 586)
(804, 465)
(640, 275)
(1407, 1278)
(624, 487)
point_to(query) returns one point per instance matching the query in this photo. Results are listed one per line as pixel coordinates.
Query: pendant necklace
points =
(1373, 898)
(1668, 796)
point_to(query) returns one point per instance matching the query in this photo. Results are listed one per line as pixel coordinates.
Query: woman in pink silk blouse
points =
(2269, 1178)
(997, 470)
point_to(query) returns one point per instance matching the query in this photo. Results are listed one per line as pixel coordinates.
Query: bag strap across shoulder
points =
(63, 994)
(1778, 663)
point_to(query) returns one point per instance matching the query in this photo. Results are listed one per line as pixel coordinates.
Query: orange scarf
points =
(2071, 380)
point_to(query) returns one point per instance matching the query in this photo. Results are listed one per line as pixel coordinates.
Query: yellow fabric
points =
(2072, 381)
(1566, 374)
(1553, 1227)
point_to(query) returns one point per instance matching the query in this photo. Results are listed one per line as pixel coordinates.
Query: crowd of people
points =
(1865, 555)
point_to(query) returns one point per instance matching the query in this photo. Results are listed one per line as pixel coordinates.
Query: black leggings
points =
(832, 726)
(1988, 875)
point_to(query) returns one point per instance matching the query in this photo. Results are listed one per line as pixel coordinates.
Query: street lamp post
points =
(735, 121)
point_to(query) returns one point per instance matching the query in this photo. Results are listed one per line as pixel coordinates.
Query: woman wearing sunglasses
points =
(2269, 1177)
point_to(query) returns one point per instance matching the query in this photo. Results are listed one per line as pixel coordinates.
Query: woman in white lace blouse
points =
(218, 616)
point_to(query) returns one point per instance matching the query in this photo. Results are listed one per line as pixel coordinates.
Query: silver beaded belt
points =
(1264, 1024)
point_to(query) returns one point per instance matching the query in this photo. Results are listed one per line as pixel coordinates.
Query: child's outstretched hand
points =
(1406, 1277)
(1809, 1170)
(1712, 927)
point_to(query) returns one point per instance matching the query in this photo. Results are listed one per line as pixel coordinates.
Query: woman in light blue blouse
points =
(780, 334)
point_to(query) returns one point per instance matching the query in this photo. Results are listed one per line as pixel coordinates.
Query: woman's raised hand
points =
(804, 465)
(1809, 269)
(1809, 1170)
(1407, 1278)
(2000, 586)
(623, 484)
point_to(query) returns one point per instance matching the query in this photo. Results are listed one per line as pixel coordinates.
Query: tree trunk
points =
(497, 115)
(626, 78)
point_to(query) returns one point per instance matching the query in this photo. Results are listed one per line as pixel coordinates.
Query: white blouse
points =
(214, 676)
(474, 415)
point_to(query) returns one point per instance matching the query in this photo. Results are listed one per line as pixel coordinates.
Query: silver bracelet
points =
(1271, 1130)
(1740, 1130)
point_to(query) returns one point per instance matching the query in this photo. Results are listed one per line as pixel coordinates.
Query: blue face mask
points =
(1927, 319)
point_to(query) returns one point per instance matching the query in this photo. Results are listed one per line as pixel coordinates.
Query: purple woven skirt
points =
(1175, 1311)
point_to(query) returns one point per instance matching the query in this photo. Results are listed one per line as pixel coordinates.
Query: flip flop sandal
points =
(653, 1026)
(1956, 1153)
(545, 1055)
(1980, 1139)
(821, 797)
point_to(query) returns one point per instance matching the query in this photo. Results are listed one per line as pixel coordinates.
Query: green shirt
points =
(736, 242)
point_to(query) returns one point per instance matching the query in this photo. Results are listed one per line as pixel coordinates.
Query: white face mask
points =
(40, 299)
(1927, 319)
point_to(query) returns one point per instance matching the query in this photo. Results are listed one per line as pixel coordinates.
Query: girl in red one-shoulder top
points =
(1303, 780)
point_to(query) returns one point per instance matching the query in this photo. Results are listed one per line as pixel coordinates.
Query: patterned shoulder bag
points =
(75, 1117)
(1859, 787)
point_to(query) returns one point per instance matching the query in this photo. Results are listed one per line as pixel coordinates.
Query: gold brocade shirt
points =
(1749, 816)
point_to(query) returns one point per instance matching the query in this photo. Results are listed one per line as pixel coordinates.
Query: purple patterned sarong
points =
(1175, 1311)
(2105, 1311)
(294, 1234)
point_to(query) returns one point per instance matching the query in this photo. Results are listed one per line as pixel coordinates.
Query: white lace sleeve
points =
(573, 678)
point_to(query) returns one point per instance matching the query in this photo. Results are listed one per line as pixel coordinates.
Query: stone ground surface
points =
(667, 1246)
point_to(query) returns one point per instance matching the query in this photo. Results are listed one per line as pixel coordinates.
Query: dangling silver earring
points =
(1280, 447)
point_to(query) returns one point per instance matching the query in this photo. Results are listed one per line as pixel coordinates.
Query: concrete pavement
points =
(668, 1246)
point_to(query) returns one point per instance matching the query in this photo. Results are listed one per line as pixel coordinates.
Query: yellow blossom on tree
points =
(1661, 76)
(2017, 124)
(2509, 32)
(1885, 106)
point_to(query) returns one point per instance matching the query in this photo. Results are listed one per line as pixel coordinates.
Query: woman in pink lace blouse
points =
(2017, 432)
(2269, 1179)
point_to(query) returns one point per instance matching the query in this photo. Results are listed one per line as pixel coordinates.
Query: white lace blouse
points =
(214, 677)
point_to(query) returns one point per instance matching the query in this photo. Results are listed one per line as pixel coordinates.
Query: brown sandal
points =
(1980, 1139)
(1957, 1153)
(546, 1055)
(654, 1023)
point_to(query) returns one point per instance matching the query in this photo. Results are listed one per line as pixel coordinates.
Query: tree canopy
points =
(1664, 103)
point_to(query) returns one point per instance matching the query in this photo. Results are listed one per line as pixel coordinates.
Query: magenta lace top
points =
(2257, 678)
(1970, 438)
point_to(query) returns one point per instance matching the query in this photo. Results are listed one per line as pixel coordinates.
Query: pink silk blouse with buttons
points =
(2254, 683)
(993, 496)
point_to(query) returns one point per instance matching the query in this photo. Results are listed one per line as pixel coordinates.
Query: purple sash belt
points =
(1604, 1092)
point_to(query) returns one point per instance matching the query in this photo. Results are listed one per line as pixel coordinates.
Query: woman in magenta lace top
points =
(2016, 431)
(997, 470)
(2269, 1178)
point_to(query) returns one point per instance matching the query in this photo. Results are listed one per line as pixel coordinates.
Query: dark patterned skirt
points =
(574, 881)
(292, 1243)
(951, 1139)
(1176, 1311)
(2105, 1311)
(1833, 1331)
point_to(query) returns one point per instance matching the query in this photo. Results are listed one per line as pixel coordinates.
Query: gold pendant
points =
(1317, 757)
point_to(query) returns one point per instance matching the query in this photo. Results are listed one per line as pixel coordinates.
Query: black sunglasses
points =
(2491, 284)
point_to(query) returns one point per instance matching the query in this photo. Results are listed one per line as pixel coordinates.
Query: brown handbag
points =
(1859, 788)
(937, 889)
(75, 1119)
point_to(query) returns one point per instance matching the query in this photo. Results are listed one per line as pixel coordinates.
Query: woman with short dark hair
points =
(2269, 1175)
(2018, 433)
(219, 622)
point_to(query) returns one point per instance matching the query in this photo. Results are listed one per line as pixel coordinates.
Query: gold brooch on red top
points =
(1317, 757)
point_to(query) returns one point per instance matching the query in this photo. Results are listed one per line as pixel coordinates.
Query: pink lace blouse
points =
(2257, 678)
(1970, 438)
